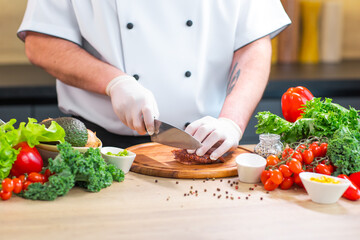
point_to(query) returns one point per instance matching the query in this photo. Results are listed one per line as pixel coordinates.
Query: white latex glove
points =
(133, 104)
(209, 131)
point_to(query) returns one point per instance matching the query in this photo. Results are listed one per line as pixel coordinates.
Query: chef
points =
(121, 63)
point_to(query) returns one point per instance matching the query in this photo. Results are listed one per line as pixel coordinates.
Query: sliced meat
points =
(182, 156)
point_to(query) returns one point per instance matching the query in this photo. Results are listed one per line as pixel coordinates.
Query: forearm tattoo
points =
(234, 76)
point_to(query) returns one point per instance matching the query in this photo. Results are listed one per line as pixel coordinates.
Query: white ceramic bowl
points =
(50, 151)
(122, 162)
(250, 167)
(325, 193)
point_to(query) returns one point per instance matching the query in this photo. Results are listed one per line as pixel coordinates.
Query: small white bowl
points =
(50, 151)
(250, 166)
(122, 162)
(325, 193)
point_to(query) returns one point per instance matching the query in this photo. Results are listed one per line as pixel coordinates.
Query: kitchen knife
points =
(172, 136)
(1, 122)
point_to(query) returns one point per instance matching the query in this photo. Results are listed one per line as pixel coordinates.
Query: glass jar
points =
(269, 144)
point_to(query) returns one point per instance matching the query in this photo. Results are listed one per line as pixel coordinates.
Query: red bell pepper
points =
(28, 160)
(353, 192)
(355, 178)
(293, 100)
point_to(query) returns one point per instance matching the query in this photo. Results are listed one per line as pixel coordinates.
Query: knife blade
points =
(172, 136)
(1, 122)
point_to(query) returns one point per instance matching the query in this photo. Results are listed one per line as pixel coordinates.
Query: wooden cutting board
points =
(155, 159)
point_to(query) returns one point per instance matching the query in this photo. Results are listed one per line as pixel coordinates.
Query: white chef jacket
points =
(181, 50)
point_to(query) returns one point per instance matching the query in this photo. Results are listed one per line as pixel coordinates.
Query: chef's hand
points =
(210, 131)
(133, 104)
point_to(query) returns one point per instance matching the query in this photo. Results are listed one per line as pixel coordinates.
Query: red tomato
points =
(276, 176)
(5, 195)
(315, 148)
(353, 192)
(307, 156)
(323, 148)
(36, 177)
(293, 100)
(331, 168)
(295, 166)
(272, 160)
(297, 155)
(22, 178)
(287, 183)
(323, 169)
(17, 185)
(355, 178)
(26, 184)
(7, 185)
(265, 175)
(301, 148)
(310, 169)
(287, 153)
(298, 181)
(285, 170)
(47, 173)
(27, 161)
(270, 185)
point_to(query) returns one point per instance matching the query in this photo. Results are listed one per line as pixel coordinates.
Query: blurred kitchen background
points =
(321, 51)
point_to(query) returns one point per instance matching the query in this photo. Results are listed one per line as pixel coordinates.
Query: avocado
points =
(75, 130)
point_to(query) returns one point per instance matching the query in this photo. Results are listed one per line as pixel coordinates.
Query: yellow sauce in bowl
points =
(324, 179)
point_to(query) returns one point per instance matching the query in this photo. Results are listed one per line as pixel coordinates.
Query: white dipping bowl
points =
(324, 193)
(122, 162)
(250, 166)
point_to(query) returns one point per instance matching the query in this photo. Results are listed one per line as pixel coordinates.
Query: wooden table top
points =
(146, 207)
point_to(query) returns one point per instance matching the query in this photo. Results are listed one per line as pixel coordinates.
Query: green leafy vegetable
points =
(320, 118)
(88, 170)
(344, 150)
(32, 133)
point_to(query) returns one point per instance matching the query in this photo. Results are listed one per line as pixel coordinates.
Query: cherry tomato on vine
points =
(22, 178)
(7, 185)
(323, 169)
(331, 168)
(47, 173)
(295, 166)
(17, 185)
(285, 170)
(276, 176)
(310, 169)
(287, 183)
(265, 175)
(270, 185)
(272, 160)
(308, 156)
(287, 153)
(298, 181)
(5, 195)
(297, 155)
(26, 184)
(323, 148)
(301, 148)
(315, 148)
(36, 177)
